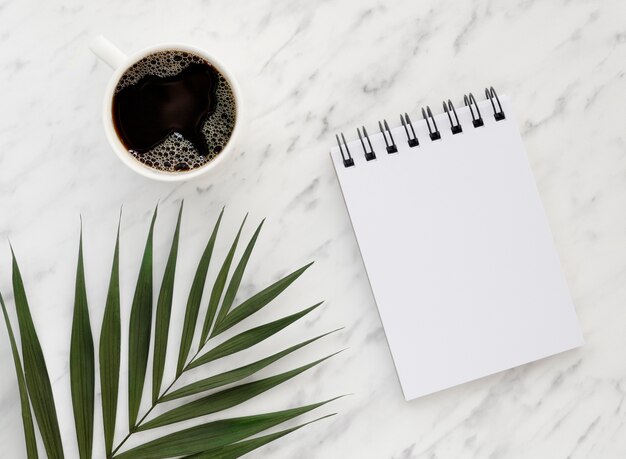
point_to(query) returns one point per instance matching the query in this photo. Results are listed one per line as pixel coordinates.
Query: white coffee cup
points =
(120, 63)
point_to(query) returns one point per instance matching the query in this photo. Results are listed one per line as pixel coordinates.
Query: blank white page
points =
(458, 252)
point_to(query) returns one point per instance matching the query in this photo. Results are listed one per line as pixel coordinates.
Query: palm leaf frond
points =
(109, 353)
(223, 438)
(82, 363)
(241, 448)
(249, 338)
(36, 371)
(218, 287)
(258, 301)
(194, 299)
(163, 313)
(233, 376)
(140, 330)
(235, 280)
(214, 434)
(227, 398)
(27, 418)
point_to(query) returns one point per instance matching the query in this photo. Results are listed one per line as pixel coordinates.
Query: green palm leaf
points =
(235, 281)
(139, 330)
(225, 438)
(163, 313)
(193, 301)
(110, 340)
(227, 398)
(82, 363)
(238, 449)
(258, 301)
(218, 287)
(27, 418)
(235, 375)
(36, 371)
(249, 338)
(213, 434)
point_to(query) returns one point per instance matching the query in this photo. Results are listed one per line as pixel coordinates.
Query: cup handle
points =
(108, 52)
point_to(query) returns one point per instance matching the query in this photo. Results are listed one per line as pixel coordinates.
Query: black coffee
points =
(173, 111)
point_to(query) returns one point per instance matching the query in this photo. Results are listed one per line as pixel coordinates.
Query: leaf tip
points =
(331, 332)
(325, 417)
(340, 397)
(156, 209)
(219, 217)
(258, 230)
(154, 215)
(330, 355)
(180, 213)
(339, 351)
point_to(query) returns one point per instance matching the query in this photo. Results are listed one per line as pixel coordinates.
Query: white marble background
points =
(309, 70)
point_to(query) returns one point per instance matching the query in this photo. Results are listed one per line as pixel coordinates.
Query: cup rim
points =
(121, 151)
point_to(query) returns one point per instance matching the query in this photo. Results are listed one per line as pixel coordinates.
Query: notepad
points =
(456, 244)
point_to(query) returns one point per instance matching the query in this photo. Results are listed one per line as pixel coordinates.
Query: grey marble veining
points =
(309, 70)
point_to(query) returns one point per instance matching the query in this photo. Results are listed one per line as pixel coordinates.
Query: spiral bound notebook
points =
(456, 244)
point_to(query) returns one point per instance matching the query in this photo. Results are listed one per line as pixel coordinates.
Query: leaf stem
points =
(121, 443)
(153, 406)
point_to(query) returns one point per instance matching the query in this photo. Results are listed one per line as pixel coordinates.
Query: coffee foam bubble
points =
(176, 153)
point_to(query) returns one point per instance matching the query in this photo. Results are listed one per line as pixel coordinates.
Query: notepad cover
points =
(458, 252)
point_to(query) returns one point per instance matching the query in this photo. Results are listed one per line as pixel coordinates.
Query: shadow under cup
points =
(174, 111)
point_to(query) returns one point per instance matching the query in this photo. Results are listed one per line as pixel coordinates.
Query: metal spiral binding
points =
(491, 94)
(369, 155)
(411, 138)
(455, 128)
(347, 158)
(477, 121)
(391, 145)
(433, 130)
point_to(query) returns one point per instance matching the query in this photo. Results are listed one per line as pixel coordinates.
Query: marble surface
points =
(307, 71)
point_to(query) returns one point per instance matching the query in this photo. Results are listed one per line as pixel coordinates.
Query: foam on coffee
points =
(177, 153)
